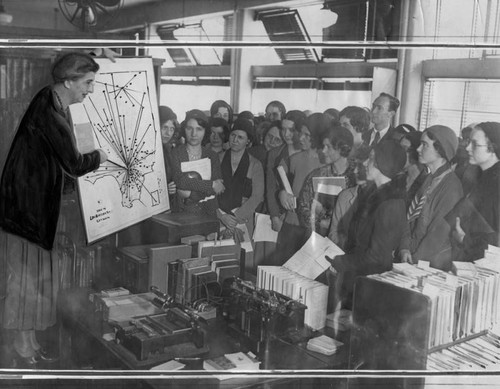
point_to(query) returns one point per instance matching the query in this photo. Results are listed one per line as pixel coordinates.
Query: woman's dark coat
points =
(43, 150)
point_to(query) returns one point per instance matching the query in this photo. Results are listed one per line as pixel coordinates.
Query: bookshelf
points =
(400, 323)
(23, 72)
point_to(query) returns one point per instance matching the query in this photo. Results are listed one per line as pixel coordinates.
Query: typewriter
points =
(257, 315)
(175, 332)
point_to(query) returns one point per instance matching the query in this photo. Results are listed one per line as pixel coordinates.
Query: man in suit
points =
(383, 110)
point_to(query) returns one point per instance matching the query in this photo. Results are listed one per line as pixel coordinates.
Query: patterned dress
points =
(314, 209)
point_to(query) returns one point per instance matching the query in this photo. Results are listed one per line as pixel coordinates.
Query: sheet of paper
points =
(332, 190)
(246, 244)
(492, 252)
(489, 263)
(310, 260)
(263, 231)
(494, 248)
(329, 185)
(284, 179)
(201, 166)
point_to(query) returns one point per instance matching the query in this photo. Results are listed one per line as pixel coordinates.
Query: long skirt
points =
(31, 284)
(290, 239)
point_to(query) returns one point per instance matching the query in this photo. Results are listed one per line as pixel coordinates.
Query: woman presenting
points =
(42, 154)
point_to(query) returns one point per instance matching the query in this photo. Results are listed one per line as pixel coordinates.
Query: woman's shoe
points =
(30, 362)
(43, 355)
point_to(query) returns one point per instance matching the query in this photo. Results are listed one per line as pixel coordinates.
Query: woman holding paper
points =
(314, 206)
(475, 219)
(288, 132)
(196, 169)
(349, 199)
(42, 154)
(379, 222)
(244, 180)
(292, 235)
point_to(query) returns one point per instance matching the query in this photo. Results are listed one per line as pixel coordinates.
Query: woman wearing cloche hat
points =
(379, 222)
(441, 190)
(243, 178)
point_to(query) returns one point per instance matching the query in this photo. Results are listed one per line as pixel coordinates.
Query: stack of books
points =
(461, 305)
(480, 353)
(191, 279)
(311, 293)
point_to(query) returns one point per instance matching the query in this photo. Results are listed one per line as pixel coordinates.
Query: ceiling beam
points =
(178, 10)
(197, 71)
(321, 70)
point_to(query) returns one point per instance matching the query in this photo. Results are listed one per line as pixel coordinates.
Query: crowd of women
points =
(407, 195)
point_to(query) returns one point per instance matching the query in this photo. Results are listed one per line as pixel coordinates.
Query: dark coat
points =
(479, 214)
(43, 150)
(199, 188)
(375, 233)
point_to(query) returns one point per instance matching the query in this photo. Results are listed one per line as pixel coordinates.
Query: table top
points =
(79, 313)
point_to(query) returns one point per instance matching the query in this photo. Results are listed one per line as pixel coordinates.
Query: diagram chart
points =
(121, 118)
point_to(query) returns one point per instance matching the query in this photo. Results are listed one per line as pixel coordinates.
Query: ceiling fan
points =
(86, 14)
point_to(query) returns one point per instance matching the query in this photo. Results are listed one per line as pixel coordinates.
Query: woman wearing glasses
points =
(476, 217)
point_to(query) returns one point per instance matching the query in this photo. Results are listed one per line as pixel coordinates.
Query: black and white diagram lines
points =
(123, 127)
(121, 118)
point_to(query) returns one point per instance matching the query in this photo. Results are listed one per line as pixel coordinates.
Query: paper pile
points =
(169, 366)
(324, 344)
(234, 362)
(491, 258)
(463, 268)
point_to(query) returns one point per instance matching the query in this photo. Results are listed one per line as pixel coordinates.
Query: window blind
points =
(459, 102)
